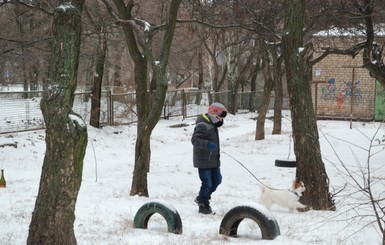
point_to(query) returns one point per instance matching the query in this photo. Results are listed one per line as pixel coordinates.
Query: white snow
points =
(166, 204)
(147, 26)
(105, 210)
(66, 6)
(379, 31)
(77, 119)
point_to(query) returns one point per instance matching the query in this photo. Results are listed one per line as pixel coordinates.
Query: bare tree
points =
(373, 53)
(278, 87)
(66, 135)
(356, 17)
(268, 87)
(97, 23)
(365, 180)
(229, 46)
(139, 35)
(24, 42)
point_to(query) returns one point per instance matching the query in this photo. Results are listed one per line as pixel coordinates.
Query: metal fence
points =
(20, 111)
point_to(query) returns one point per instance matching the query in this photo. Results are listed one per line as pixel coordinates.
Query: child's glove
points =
(211, 146)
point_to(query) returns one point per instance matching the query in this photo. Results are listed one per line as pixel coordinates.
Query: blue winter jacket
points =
(204, 132)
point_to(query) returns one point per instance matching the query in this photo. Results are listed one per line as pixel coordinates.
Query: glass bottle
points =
(3, 183)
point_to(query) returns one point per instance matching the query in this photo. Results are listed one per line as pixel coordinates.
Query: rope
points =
(96, 161)
(255, 177)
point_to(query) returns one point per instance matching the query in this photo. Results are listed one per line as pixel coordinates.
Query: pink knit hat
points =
(217, 109)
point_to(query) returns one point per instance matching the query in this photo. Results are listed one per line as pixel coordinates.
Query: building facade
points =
(342, 88)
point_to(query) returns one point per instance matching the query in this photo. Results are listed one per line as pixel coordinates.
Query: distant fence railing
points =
(20, 111)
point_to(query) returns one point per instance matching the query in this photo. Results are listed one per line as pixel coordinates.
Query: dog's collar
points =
(294, 192)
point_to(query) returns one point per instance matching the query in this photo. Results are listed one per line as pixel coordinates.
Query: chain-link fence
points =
(20, 111)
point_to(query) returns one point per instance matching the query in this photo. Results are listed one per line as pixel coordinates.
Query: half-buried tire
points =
(286, 163)
(230, 222)
(169, 213)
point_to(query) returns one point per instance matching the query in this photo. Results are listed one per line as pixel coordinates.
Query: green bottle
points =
(3, 183)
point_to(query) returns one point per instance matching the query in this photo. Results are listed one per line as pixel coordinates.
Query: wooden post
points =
(316, 95)
(184, 104)
(352, 99)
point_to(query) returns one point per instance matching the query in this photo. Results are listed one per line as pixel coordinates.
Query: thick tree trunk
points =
(142, 163)
(66, 136)
(310, 168)
(268, 87)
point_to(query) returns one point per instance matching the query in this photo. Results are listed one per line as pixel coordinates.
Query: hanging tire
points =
(169, 213)
(230, 222)
(286, 163)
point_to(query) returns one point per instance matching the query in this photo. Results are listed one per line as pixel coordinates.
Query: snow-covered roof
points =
(379, 30)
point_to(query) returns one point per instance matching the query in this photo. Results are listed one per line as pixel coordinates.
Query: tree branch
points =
(352, 51)
(27, 5)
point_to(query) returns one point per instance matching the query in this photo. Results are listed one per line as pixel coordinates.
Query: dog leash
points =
(255, 177)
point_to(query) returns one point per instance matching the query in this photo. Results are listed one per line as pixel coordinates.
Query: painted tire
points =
(230, 222)
(172, 217)
(286, 163)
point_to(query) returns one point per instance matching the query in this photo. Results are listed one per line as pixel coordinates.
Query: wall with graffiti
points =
(343, 89)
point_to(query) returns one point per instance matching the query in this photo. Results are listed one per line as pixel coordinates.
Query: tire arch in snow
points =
(232, 219)
(169, 213)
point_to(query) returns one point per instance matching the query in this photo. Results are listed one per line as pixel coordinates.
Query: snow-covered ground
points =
(105, 211)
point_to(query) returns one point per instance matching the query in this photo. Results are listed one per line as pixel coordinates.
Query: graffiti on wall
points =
(331, 93)
(354, 91)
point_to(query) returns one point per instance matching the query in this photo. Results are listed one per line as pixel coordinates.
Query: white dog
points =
(285, 198)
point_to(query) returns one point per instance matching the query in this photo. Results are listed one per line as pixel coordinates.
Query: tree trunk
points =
(66, 136)
(310, 168)
(233, 101)
(268, 87)
(253, 86)
(278, 92)
(142, 163)
(117, 77)
(98, 79)
(200, 77)
(23, 23)
(372, 57)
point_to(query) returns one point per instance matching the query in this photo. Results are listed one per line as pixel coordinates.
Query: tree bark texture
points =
(66, 136)
(310, 168)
